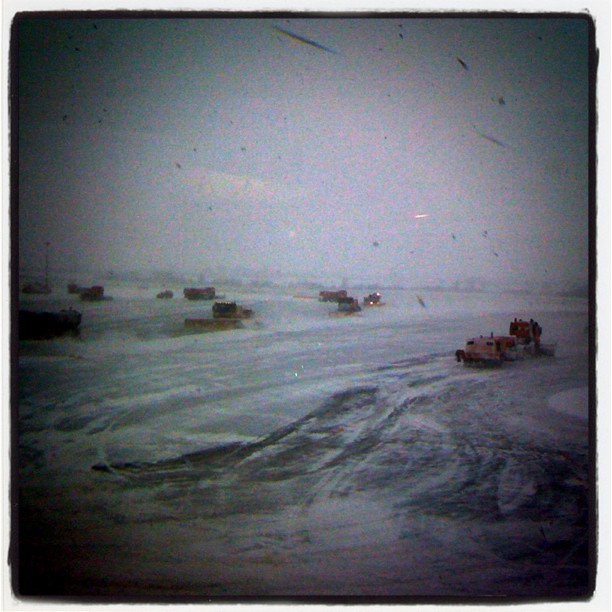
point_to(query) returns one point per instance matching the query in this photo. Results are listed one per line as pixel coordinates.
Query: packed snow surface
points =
(304, 455)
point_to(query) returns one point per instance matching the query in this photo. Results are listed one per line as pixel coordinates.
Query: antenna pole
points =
(47, 263)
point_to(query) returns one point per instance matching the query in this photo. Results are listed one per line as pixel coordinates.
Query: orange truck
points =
(522, 341)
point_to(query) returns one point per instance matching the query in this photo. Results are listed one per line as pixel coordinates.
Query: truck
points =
(347, 306)
(225, 315)
(230, 310)
(93, 294)
(528, 335)
(523, 341)
(332, 296)
(75, 288)
(374, 299)
(199, 293)
(46, 325)
(490, 350)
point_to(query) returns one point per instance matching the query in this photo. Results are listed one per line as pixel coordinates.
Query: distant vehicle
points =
(374, 299)
(347, 306)
(36, 288)
(165, 295)
(197, 293)
(226, 315)
(332, 296)
(230, 310)
(74, 288)
(93, 294)
(47, 325)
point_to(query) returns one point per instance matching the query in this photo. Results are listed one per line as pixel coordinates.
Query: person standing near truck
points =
(537, 332)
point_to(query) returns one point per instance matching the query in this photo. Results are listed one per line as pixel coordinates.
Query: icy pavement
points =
(305, 455)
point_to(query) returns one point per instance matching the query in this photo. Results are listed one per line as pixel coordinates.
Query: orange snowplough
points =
(523, 340)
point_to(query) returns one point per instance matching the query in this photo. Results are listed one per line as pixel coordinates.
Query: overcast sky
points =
(422, 150)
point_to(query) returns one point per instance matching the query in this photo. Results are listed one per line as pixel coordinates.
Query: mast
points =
(47, 264)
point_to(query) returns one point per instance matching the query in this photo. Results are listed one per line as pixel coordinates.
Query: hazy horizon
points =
(423, 149)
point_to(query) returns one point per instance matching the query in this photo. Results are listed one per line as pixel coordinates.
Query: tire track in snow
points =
(425, 436)
(325, 422)
(345, 430)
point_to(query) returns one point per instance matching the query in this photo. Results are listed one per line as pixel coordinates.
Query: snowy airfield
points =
(304, 455)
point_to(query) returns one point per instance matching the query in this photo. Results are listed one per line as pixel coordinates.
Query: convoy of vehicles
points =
(523, 338)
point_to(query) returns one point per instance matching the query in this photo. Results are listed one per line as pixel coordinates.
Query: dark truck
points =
(230, 310)
(332, 296)
(47, 325)
(199, 293)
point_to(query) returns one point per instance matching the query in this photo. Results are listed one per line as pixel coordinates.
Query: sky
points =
(407, 149)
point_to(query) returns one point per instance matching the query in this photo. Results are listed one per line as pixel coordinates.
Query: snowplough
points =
(47, 325)
(37, 288)
(332, 296)
(523, 340)
(199, 293)
(528, 334)
(346, 306)
(76, 288)
(230, 310)
(491, 350)
(93, 294)
(225, 315)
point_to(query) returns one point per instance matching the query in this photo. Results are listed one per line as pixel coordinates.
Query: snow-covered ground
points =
(304, 455)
